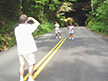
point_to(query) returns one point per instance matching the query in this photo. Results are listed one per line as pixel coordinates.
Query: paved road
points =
(84, 59)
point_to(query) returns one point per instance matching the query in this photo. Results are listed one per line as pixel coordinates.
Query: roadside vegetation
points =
(7, 38)
(98, 19)
(45, 11)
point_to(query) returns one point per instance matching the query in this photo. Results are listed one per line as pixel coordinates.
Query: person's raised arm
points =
(34, 20)
(73, 28)
(68, 27)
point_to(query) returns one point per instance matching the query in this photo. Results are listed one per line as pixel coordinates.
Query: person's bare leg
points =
(21, 70)
(56, 36)
(72, 36)
(59, 34)
(31, 67)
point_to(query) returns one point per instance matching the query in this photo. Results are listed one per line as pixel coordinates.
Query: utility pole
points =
(92, 5)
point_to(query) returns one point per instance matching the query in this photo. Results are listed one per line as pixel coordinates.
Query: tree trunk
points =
(92, 5)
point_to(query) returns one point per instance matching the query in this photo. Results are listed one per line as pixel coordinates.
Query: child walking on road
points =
(57, 30)
(71, 31)
(26, 44)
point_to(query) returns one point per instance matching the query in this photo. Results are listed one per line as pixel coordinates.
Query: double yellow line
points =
(46, 59)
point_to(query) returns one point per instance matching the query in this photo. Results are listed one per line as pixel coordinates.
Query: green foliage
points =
(73, 0)
(69, 3)
(98, 20)
(7, 38)
(43, 10)
(44, 28)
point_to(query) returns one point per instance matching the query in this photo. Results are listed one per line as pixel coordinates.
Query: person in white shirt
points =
(57, 30)
(26, 44)
(71, 31)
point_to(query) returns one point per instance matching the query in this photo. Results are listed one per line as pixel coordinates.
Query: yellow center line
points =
(49, 58)
(37, 65)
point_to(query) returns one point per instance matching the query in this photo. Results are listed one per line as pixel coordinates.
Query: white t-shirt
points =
(57, 26)
(70, 27)
(24, 38)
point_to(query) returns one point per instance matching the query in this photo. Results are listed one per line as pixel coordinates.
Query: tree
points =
(92, 5)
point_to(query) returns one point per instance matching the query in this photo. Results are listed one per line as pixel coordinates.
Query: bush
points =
(98, 20)
(44, 28)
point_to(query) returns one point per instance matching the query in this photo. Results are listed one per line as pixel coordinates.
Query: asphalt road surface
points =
(83, 59)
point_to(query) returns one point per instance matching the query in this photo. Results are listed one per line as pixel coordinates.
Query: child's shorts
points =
(57, 30)
(29, 58)
(71, 31)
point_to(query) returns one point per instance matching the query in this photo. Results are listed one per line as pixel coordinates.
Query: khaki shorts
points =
(29, 58)
(57, 30)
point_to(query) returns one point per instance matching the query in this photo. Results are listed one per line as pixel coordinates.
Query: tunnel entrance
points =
(79, 16)
(77, 12)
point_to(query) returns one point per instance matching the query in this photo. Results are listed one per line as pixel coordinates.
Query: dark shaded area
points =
(79, 12)
(79, 16)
